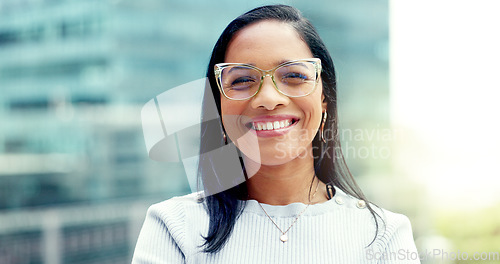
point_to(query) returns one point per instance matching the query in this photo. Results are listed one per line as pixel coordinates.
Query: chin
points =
(277, 154)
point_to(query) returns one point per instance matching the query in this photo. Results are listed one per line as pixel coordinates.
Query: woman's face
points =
(267, 44)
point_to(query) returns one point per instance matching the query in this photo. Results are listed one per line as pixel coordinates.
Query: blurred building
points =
(73, 78)
(75, 178)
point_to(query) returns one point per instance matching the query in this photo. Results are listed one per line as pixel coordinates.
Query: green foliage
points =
(472, 231)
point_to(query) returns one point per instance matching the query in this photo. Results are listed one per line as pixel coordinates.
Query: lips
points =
(272, 123)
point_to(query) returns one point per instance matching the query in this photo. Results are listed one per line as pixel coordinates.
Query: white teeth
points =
(276, 125)
(271, 125)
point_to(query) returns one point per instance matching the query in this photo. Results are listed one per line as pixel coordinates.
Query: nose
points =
(268, 96)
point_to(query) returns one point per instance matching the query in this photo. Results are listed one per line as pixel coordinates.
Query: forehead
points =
(267, 44)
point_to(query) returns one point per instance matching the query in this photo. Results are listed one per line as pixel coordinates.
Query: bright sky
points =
(445, 96)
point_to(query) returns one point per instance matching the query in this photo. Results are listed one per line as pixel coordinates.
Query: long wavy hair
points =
(225, 205)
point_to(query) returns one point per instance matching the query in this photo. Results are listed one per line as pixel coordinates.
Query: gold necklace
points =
(283, 236)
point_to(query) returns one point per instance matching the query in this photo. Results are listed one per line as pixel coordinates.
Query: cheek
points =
(229, 107)
(312, 107)
(231, 112)
(225, 109)
(313, 111)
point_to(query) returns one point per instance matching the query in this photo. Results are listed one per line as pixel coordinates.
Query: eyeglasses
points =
(296, 78)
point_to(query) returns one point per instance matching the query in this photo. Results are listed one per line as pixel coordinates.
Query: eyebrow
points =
(253, 64)
(277, 64)
(237, 67)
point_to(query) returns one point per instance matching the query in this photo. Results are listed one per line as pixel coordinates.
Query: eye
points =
(295, 75)
(242, 80)
(295, 78)
(242, 83)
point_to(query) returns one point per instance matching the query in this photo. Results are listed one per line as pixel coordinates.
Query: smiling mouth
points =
(271, 125)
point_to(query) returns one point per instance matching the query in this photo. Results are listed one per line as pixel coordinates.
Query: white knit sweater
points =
(336, 231)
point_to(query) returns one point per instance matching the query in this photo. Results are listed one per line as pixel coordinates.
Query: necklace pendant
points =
(283, 238)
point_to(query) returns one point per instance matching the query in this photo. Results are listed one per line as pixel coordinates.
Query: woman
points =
(273, 82)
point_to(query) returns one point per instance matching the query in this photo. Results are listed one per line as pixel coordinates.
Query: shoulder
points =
(171, 230)
(393, 224)
(394, 236)
(394, 241)
(175, 207)
(182, 217)
(389, 223)
(394, 221)
(178, 213)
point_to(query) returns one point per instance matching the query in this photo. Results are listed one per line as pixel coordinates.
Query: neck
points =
(287, 183)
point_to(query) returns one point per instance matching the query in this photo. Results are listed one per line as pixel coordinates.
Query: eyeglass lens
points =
(295, 79)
